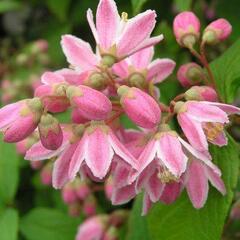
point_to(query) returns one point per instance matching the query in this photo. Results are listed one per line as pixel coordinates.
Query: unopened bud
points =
(137, 80)
(50, 132)
(68, 193)
(82, 189)
(74, 209)
(201, 93)
(97, 81)
(108, 188)
(235, 212)
(46, 174)
(108, 60)
(89, 206)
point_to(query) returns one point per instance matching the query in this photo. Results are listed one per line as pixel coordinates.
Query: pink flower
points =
(118, 38)
(97, 150)
(197, 177)
(139, 71)
(140, 107)
(201, 93)
(190, 74)
(186, 27)
(91, 104)
(50, 132)
(19, 120)
(92, 228)
(217, 31)
(202, 121)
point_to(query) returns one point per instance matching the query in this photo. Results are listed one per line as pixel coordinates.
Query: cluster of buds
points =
(102, 227)
(120, 79)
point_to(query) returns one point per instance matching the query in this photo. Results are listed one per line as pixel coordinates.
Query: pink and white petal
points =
(121, 151)
(123, 195)
(229, 109)
(148, 155)
(216, 180)
(9, 114)
(61, 166)
(73, 77)
(107, 22)
(197, 184)
(172, 155)
(149, 42)
(78, 52)
(147, 204)
(205, 113)
(154, 187)
(160, 69)
(121, 69)
(221, 140)
(50, 78)
(193, 131)
(140, 60)
(92, 25)
(99, 153)
(77, 159)
(171, 192)
(135, 32)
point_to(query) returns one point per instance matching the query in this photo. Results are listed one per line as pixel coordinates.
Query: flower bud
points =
(74, 209)
(111, 234)
(186, 27)
(137, 80)
(36, 165)
(119, 217)
(68, 193)
(108, 188)
(217, 31)
(91, 104)
(50, 132)
(235, 212)
(89, 205)
(39, 46)
(81, 188)
(190, 74)
(97, 80)
(201, 93)
(26, 144)
(77, 117)
(46, 174)
(140, 107)
(23, 121)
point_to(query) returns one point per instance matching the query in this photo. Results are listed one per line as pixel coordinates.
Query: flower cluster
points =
(120, 79)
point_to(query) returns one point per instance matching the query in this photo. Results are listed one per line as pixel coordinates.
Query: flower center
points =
(167, 177)
(212, 130)
(137, 80)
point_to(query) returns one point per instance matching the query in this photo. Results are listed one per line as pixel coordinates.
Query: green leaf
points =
(137, 5)
(9, 172)
(181, 221)
(59, 8)
(9, 224)
(137, 225)
(6, 6)
(183, 5)
(48, 224)
(226, 71)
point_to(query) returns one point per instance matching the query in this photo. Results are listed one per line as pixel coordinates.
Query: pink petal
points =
(216, 180)
(107, 21)
(141, 59)
(193, 131)
(98, 153)
(92, 25)
(229, 109)
(197, 184)
(147, 204)
(9, 113)
(61, 166)
(77, 159)
(171, 154)
(221, 140)
(171, 192)
(136, 31)
(123, 195)
(78, 52)
(206, 113)
(160, 69)
(50, 78)
(154, 187)
(72, 77)
(121, 151)
(121, 69)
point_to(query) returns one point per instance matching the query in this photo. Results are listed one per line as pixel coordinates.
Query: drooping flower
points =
(202, 121)
(186, 27)
(140, 107)
(19, 120)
